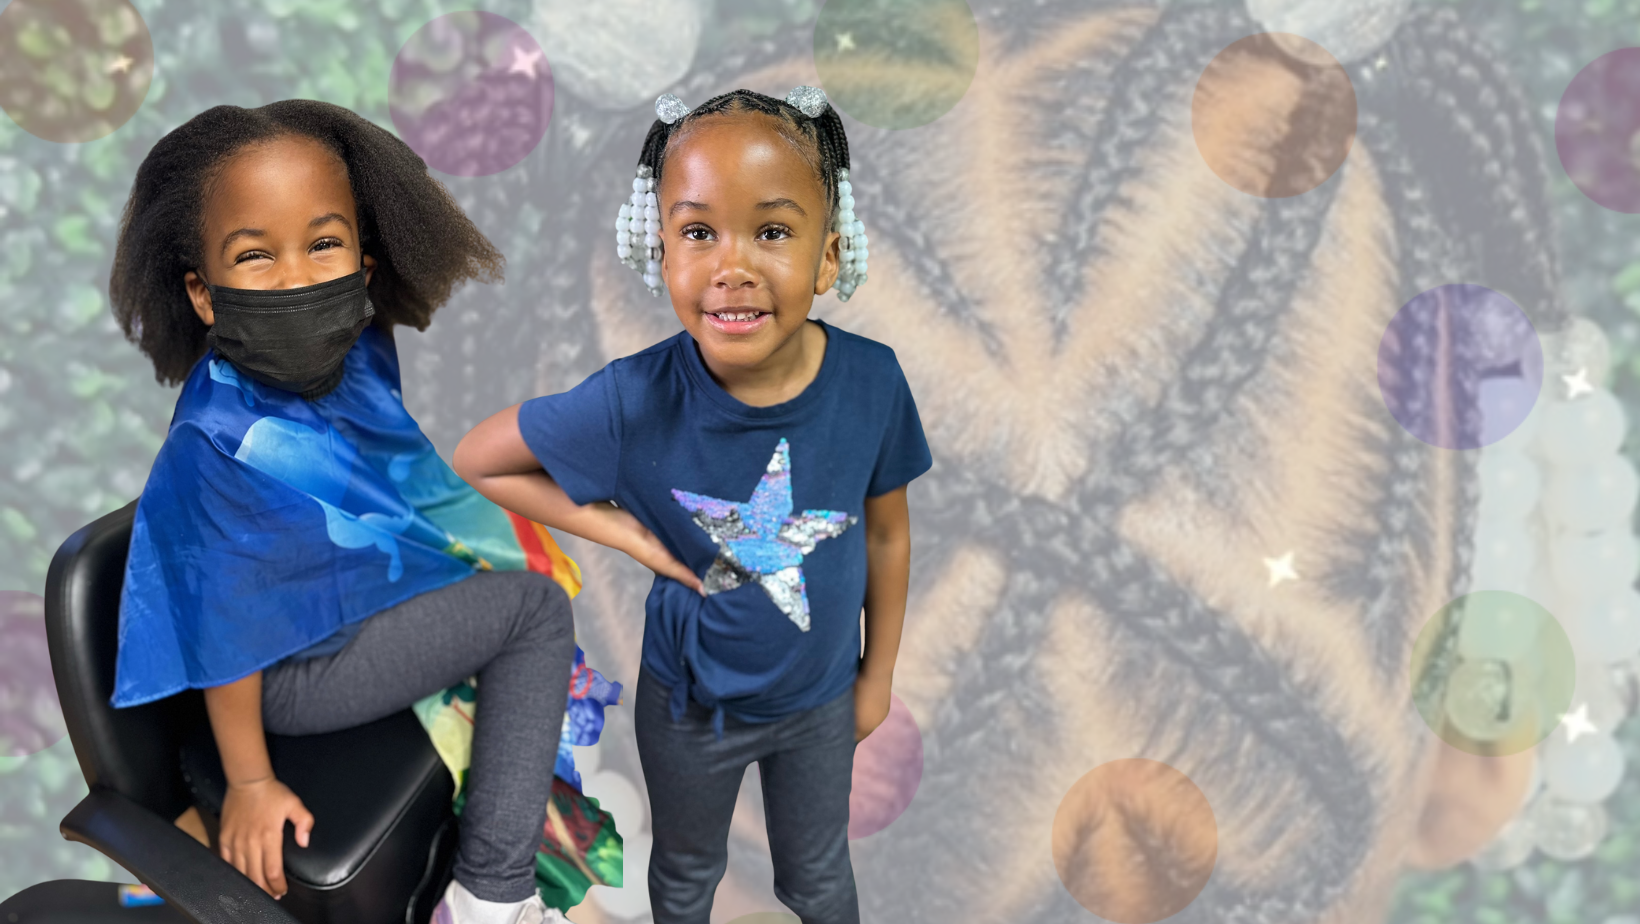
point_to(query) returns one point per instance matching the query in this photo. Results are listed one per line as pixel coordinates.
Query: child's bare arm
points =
(495, 460)
(256, 806)
(888, 572)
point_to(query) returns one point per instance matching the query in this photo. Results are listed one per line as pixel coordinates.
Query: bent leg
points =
(515, 630)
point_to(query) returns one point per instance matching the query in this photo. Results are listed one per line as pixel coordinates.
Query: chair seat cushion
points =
(368, 788)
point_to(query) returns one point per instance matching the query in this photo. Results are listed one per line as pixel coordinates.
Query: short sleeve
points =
(903, 454)
(577, 436)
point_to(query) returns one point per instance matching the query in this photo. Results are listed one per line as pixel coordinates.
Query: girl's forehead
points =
(289, 168)
(739, 147)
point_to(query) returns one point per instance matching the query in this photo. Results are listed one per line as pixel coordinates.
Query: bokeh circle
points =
(1105, 817)
(619, 53)
(1470, 334)
(1597, 130)
(896, 63)
(471, 92)
(888, 767)
(31, 719)
(73, 70)
(1274, 115)
(1347, 30)
(1493, 673)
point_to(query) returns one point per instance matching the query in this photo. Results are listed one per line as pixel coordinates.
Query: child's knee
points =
(543, 604)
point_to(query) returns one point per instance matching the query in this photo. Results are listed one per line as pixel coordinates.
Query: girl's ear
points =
(200, 295)
(831, 262)
(1469, 799)
(369, 267)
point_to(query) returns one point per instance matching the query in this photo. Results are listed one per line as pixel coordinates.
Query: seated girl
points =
(300, 551)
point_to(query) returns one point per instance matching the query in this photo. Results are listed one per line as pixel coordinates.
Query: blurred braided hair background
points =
(1449, 144)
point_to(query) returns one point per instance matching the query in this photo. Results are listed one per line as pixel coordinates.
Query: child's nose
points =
(734, 264)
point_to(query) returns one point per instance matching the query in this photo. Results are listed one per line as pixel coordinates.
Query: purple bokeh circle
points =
(31, 719)
(1597, 130)
(1450, 336)
(888, 767)
(471, 92)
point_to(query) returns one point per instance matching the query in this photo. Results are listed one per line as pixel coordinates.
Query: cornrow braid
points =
(1457, 85)
(820, 140)
(1143, 83)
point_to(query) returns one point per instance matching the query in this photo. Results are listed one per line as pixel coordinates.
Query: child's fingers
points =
(303, 819)
(273, 864)
(250, 863)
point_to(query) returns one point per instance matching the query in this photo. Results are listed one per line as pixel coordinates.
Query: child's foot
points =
(460, 906)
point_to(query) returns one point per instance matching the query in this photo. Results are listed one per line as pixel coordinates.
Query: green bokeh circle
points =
(73, 70)
(896, 63)
(1502, 703)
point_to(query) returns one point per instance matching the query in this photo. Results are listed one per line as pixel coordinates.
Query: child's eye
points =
(327, 244)
(248, 255)
(781, 231)
(697, 233)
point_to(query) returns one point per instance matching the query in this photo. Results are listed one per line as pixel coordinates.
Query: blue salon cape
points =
(269, 522)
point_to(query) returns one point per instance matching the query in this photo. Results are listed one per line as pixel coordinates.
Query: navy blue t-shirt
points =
(766, 504)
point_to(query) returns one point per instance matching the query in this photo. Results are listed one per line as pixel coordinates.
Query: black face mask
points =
(294, 339)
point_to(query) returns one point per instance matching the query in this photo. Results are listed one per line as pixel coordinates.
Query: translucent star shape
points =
(119, 65)
(1281, 569)
(524, 62)
(1577, 383)
(1577, 723)
(759, 539)
(845, 41)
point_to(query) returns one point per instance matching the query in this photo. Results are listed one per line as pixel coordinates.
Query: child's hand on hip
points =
(253, 830)
(648, 550)
(871, 702)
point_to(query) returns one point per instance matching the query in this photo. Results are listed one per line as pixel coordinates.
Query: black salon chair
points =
(383, 838)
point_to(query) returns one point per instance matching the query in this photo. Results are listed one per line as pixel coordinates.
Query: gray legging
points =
(511, 628)
(807, 766)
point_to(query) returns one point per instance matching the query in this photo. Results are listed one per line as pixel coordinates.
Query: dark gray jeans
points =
(806, 763)
(511, 628)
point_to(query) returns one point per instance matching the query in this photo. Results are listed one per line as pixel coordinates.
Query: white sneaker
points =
(531, 910)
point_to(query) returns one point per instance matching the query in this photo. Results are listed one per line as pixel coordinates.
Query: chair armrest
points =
(178, 868)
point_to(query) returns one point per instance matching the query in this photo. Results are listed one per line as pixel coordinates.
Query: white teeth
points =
(736, 316)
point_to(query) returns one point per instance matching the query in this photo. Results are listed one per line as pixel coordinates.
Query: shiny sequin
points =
(759, 539)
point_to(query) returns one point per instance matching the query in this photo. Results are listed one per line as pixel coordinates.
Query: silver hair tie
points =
(670, 109)
(811, 101)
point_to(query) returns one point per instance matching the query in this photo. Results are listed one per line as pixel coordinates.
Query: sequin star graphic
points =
(119, 65)
(845, 41)
(759, 539)
(1281, 569)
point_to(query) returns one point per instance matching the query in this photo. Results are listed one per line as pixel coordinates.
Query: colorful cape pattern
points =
(269, 522)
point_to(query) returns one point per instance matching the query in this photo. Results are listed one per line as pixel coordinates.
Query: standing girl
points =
(757, 462)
